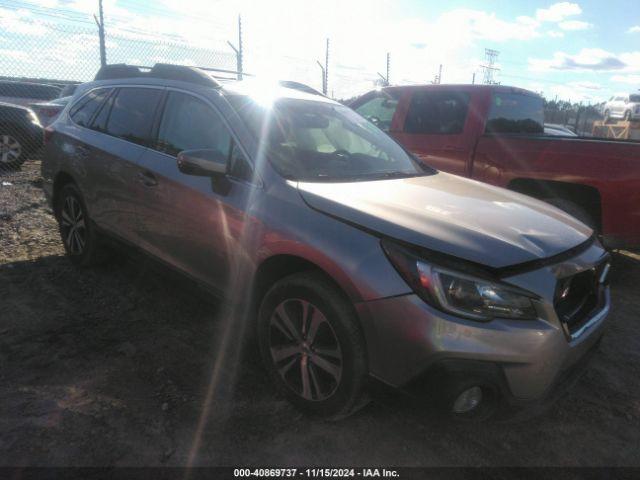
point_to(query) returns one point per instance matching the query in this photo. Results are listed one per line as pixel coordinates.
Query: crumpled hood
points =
(453, 215)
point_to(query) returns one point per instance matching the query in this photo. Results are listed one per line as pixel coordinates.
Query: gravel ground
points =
(112, 366)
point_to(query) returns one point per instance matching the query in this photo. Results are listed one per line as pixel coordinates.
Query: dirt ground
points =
(112, 366)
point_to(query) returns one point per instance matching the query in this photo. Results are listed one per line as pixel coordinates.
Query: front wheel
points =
(79, 236)
(312, 345)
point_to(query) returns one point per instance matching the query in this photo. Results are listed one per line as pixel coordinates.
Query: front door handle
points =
(148, 179)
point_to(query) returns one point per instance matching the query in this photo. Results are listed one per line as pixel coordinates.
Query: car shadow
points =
(159, 372)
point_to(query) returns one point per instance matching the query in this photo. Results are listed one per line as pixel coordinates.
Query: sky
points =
(577, 51)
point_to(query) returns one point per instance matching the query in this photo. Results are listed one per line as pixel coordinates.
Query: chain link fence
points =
(577, 118)
(42, 63)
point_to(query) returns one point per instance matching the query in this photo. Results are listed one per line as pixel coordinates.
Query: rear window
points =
(82, 112)
(515, 113)
(29, 90)
(132, 113)
(439, 113)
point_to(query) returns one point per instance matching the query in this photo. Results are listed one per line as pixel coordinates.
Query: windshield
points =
(324, 142)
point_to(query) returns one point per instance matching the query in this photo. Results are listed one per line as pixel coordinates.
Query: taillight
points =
(48, 133)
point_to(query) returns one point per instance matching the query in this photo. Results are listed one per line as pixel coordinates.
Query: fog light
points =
(468, 400)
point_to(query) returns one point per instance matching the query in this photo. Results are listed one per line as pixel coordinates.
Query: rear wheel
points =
(79, 236)
(312, 346)
(12, 149)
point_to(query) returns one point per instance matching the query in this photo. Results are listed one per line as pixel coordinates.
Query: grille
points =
(578, 296)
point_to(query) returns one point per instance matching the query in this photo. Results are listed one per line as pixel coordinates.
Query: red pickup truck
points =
(495, 134)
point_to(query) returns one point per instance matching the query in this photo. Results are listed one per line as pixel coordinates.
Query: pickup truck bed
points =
(494, 134)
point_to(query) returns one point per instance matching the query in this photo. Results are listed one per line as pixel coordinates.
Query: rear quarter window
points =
(515, 113)
(82, 112)
(437, 113)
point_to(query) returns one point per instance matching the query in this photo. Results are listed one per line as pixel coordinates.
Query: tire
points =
(78, 233)
(322, 369)
(13, 148)
(607, 116)
(574, 210)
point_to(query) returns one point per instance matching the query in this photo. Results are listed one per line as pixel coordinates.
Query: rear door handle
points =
(148, 179)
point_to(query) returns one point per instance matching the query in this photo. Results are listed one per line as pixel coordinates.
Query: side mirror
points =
(202, 163)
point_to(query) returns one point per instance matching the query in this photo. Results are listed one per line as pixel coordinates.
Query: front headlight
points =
(459, 293)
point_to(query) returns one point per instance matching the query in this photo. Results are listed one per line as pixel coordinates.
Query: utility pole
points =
(239, 52)
(489, 67)
(326, 68)
(100, 23)
(438, 79)
(473, 79)
(324, 77)
(388, 68)
(385, 78)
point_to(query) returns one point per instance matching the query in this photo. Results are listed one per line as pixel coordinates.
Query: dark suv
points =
(354, 259)
(20, 134)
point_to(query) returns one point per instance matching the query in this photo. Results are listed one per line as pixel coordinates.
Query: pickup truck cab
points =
(495, 134)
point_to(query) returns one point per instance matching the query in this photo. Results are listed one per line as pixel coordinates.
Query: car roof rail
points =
(206, 76)
(165, 71)
(292, 84)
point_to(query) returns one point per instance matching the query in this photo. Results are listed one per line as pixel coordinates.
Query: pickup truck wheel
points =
(574, 210)
(312, 346)
(12, 149)
(79, 236)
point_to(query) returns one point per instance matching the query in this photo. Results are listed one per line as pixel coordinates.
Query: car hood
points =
(453, 215)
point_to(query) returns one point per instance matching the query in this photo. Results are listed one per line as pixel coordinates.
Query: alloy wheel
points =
(305, 349)
(10, 149)
(74, 230)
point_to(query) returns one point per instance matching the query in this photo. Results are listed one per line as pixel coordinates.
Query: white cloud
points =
(555, 34)
(634, 29)
(558, 12)
(628, 79)
(588, 59)
(574, 25)
(20, 22)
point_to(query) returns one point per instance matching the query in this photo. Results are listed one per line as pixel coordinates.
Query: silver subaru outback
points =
(353, 260)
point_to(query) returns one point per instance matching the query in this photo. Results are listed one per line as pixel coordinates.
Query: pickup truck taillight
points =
(48, 133)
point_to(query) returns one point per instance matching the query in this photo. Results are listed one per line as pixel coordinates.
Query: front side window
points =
(634, 98)
(188, 123)
(515, 113)
(321, 141)
(379, 110)
(87, 106)
(437, 113)
(131, 114)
